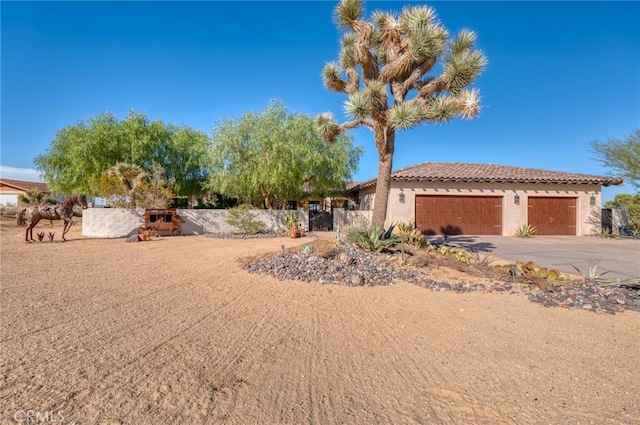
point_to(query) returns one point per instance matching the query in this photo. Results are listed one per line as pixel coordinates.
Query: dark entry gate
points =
(321, 221)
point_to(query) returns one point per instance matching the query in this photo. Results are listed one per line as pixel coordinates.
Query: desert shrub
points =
(410, 234)
(34, 197)
(244, 220)
(373, 237)
(459, 254)
(291, 220)
(526, 231)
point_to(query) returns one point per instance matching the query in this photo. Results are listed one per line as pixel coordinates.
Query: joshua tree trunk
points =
(385, 143)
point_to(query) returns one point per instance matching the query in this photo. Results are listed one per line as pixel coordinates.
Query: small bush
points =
(291, 220)
(410, 234)
(526, 231)
(244, 220)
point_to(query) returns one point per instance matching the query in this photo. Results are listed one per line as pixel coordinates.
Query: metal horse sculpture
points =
(60, 211)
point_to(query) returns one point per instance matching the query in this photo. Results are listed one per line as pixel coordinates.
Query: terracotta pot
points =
(294, 233)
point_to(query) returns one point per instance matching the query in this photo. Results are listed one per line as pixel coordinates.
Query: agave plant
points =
(526, 231)
(592, 272)
(374, 238)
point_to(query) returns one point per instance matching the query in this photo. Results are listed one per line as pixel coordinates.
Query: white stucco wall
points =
(111, 222)
(588, 219)
(122, 222)
(8, 199)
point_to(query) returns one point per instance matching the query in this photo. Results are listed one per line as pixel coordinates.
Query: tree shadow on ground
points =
(470, 243)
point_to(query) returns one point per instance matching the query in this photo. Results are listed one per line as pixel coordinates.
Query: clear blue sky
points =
(560, 74)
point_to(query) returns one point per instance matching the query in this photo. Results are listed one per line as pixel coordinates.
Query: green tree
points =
(384, 67)
(272, 156)
(623, 156)
(82, 153)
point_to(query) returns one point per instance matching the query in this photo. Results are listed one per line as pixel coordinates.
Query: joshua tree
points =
(384, 67)
(130, 176)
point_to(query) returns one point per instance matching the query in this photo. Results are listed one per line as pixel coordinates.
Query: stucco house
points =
(487, 199)
(10, 189)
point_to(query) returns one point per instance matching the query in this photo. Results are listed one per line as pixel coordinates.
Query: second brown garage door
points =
(459, 215)
(553, 216)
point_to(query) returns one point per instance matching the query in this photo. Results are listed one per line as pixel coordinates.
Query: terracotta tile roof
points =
(460, 172)
(23, 185)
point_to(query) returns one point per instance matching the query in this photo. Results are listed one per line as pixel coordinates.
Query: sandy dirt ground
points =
(173, 331)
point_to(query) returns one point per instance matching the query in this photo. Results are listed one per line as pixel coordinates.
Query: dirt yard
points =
(99, 331)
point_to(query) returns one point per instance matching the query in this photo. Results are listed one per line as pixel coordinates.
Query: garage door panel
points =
(553, 215)
(459, 215)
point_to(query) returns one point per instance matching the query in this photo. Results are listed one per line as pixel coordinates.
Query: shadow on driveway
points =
(615, 257)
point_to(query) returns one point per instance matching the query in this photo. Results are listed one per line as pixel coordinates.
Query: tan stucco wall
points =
(513, 216)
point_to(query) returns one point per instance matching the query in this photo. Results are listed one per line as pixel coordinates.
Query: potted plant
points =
(291, 221)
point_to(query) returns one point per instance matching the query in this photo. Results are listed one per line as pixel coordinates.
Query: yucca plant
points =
(592, 273)
(399, 71)
(526, 231)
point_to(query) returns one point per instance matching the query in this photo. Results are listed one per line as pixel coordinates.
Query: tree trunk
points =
(266, 196)
(385, 143)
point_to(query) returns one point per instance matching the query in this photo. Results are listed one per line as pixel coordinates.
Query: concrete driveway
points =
(617, 257)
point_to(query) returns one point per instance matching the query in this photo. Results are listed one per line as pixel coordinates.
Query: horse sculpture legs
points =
(67, 225)
(28, 237)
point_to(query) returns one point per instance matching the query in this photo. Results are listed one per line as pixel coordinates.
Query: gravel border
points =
(350, 266)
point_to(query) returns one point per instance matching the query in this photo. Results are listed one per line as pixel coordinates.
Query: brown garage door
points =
(553, 216)
(459, 215)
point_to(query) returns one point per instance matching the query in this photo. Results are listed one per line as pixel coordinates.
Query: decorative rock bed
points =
(350, 266)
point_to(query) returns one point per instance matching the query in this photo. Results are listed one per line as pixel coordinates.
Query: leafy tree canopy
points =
(272, 156)
(623, 156)
(82, 153)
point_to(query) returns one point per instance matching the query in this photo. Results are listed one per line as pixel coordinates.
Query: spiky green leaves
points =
(463, 68)
(358, 105)
(376, 91)
(427, 43)
(331, 77)
(465, 41)
(407, 114)
(347, 51)
(326, 127)
(348, 11)
(463, 64)
(413, 18)
(369, 101)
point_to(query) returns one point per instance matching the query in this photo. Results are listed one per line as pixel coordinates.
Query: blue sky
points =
(560, 74)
